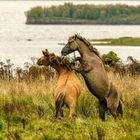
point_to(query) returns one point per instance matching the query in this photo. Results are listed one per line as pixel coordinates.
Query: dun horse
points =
(68, 86)
(93, 71)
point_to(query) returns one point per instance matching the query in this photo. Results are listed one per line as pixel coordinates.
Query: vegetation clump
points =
(110, 57)
(95, 14)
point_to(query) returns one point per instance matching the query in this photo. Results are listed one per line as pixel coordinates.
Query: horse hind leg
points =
(102, 109)
(113, 102)
(116, 111)
(112, 109)
(71, 112)
(120, 109)
(113, 112)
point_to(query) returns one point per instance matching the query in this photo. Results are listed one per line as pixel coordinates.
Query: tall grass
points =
(27, 112)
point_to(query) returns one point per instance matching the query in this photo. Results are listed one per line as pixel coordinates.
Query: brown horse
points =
(68, 86)
(95, 76)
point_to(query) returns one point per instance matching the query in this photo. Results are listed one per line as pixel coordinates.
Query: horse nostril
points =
(64, 54)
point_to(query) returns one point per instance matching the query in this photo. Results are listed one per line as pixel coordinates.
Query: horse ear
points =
(75, 36)
(43, 52)
(46, 52)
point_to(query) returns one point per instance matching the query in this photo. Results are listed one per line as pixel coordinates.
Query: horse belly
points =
(97, 86)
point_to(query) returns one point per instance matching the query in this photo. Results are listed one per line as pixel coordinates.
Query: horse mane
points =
(61, 61)
(88, 44)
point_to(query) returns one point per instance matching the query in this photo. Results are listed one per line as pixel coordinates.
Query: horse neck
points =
(85, 51)
(83, 48)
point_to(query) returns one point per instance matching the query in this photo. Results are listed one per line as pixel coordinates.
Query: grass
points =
(124, 41)
(27, 113)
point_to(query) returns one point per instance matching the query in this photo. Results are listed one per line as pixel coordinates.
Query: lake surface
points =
(14, 33)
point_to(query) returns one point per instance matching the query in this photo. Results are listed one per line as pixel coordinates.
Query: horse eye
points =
(70, 42)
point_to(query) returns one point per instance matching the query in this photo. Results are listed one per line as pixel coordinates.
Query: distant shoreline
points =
(62, 22)
(72, 22)
(69, 13)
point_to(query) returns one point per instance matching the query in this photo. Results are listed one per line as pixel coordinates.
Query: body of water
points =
(15, 34)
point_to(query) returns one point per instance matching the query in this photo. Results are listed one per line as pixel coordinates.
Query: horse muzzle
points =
(63, 53)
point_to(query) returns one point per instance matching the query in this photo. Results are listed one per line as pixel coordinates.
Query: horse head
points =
(46, 59)
(53, 60)
(78, 42)
(71, 46)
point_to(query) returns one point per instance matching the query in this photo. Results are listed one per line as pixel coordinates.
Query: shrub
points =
(110, 57)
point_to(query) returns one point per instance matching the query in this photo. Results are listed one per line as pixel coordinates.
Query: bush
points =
(110, 57)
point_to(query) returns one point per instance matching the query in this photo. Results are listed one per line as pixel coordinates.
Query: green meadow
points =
(27, 112)
(123, 41)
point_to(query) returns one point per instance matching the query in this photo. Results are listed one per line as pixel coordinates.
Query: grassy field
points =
(27, 113)
(124, 41)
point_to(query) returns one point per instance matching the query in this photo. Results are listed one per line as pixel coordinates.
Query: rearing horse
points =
(95, 76)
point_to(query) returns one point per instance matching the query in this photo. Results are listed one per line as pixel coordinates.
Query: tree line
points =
(106, 14)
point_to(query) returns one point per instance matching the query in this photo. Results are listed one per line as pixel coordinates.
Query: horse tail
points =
(59, 102)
